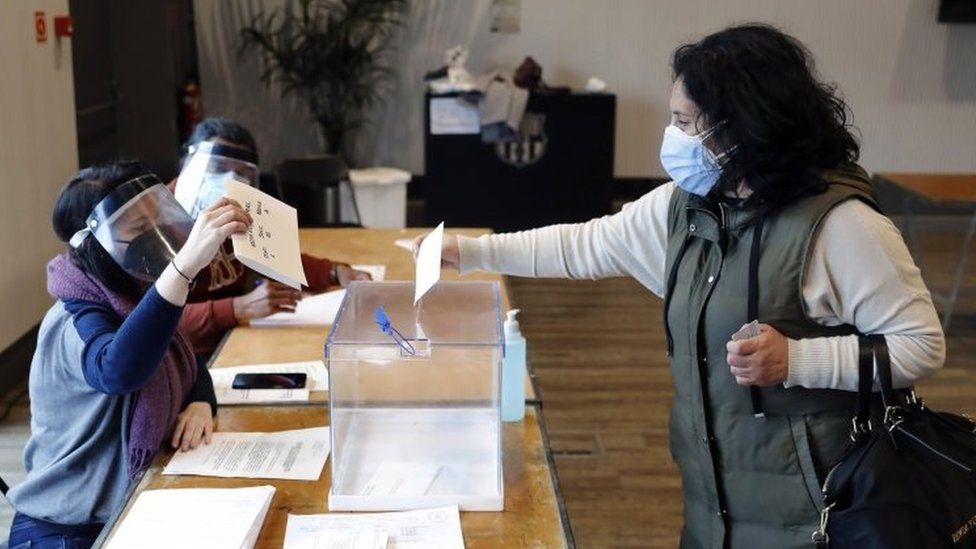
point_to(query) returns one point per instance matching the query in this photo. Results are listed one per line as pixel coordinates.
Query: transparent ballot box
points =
(414, 398)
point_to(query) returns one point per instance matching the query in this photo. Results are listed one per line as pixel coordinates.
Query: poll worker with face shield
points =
(113, 378)
(765, 200)
(227, 293)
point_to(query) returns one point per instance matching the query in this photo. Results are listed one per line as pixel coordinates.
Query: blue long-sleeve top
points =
(121, 355)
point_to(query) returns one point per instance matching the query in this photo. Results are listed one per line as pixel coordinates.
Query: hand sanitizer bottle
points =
(513, 371)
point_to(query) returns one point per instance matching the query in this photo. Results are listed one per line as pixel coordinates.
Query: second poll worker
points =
(227, 294)
(762, 165)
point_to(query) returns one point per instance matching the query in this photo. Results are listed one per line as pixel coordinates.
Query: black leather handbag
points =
(909, 476)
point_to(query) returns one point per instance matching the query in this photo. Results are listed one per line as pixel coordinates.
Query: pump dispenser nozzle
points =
(511, 323)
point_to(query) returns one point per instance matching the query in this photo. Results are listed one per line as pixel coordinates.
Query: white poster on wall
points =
(452, 116)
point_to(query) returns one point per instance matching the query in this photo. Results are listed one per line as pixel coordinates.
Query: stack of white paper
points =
(270, 245)
(204, 518)
(317, 310)
(438, 528)
(292, 455)
(317, 379)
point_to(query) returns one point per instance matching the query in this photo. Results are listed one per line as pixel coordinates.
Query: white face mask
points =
(688, 162)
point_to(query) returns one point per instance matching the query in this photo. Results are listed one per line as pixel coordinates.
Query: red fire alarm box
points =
(40, 27)
(63, 25)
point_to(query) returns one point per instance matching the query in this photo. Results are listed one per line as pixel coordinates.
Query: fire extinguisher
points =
(191, 109)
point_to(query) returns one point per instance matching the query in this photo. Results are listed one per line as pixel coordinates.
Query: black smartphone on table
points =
(270, 381)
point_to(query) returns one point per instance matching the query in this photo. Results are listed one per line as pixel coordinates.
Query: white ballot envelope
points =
(428, 270)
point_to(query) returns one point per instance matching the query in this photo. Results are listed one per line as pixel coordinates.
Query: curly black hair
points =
(786, 125)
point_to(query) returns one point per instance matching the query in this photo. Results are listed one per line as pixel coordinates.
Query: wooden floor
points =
(597, 350)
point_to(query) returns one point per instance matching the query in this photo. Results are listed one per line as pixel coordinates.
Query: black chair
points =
(312, 186)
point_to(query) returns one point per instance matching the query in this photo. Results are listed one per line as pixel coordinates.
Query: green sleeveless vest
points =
(748, 482)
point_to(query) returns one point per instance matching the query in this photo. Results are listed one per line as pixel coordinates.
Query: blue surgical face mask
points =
(691, 165)
(212, 189)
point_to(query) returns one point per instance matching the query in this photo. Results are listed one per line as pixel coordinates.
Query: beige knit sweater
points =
(860, 273)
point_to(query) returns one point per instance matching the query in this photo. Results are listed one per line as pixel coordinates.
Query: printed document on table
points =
(291, 455)
(316, 309)
(195, 518)
(437, 528)
(343, 539)
(428, 263)
(270, 245)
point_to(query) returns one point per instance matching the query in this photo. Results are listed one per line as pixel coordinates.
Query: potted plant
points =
(330, 53)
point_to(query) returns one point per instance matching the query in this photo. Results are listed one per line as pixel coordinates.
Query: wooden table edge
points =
(561, 511)
(556, 486)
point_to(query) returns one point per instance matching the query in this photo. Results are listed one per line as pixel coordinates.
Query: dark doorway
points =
(131, 62)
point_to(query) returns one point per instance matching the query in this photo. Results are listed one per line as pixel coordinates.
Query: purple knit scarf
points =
(159, 401)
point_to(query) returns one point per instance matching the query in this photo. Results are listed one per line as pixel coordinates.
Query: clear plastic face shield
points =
(141, 225)
(207, 170)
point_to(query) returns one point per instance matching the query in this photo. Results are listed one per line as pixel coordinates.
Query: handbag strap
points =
(883, 363)
(865, 382)
(753, 303)
(872, 354)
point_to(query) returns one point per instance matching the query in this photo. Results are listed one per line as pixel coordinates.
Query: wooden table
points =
(943, 190)
(533, 516)
(245, 345)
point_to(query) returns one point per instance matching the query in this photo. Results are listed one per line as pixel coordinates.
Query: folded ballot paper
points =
(195, 518)
(270, 245)
(316, 309)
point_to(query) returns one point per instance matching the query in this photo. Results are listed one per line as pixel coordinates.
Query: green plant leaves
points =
(329, 53)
